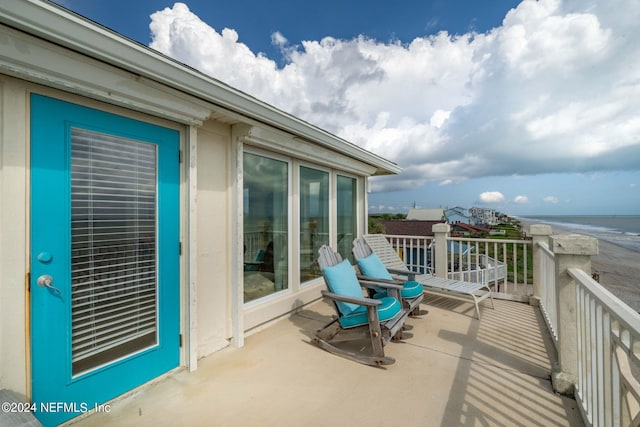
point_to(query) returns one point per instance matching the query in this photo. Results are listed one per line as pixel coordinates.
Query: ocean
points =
(622, 230)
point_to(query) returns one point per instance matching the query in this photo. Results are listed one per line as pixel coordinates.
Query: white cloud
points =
(521, 199)
(491, 197)
(278, 39)
(446, 182)
(550, 199)
(382, 208)
(438, 118)
(552, 90)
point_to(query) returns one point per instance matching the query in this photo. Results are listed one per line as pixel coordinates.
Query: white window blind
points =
(113, 248)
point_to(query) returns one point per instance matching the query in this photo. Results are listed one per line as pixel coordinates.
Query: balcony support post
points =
(539, 233)
(571, 251)
(440, 234)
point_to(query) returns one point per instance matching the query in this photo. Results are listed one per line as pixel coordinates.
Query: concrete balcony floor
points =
(455, 371)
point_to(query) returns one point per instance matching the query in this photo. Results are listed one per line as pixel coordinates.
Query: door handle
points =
(46, 281)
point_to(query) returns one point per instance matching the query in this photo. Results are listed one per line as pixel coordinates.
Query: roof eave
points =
(58, 25)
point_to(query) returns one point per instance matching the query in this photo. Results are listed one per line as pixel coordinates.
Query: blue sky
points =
(304, 20)
(528, 107)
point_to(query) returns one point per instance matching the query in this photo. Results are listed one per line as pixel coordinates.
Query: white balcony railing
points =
(502, 264)
(476, 267)
(548, 291)
(608, 353)
(416, 251)
(596, 335)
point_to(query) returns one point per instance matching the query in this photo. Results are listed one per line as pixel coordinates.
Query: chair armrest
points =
(353, 300)
(367, 281)
(411, 275)
(398, 271)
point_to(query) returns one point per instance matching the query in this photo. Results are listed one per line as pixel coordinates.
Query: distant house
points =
(423, 214)
(458, 214)
(467, 230)
(484, 216)
(408, 227)
(151, 215)
(419, 254)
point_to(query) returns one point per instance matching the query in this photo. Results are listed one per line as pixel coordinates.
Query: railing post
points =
(440, 234)
(539, 233)
(571, 251)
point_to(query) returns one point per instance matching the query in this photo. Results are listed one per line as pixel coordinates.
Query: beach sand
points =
(617, 268)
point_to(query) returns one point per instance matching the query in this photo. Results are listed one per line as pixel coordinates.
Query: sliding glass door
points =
(346, 218)
(314, 219)
(289, 212)
(266, 226)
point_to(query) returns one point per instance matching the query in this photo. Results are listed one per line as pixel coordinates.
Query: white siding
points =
(14, 196)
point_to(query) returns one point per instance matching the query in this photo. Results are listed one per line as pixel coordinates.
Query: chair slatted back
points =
(361, 249)
(383, 249)
(328, 257)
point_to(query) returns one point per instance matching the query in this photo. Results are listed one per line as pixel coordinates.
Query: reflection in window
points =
(347, 219)
(265, 211)
(314, 219)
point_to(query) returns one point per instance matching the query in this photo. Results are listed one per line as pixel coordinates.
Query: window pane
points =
(265, 205)
(314, 219)
(347, 221)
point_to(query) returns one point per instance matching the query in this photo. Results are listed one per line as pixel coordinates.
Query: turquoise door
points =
(104, 256)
